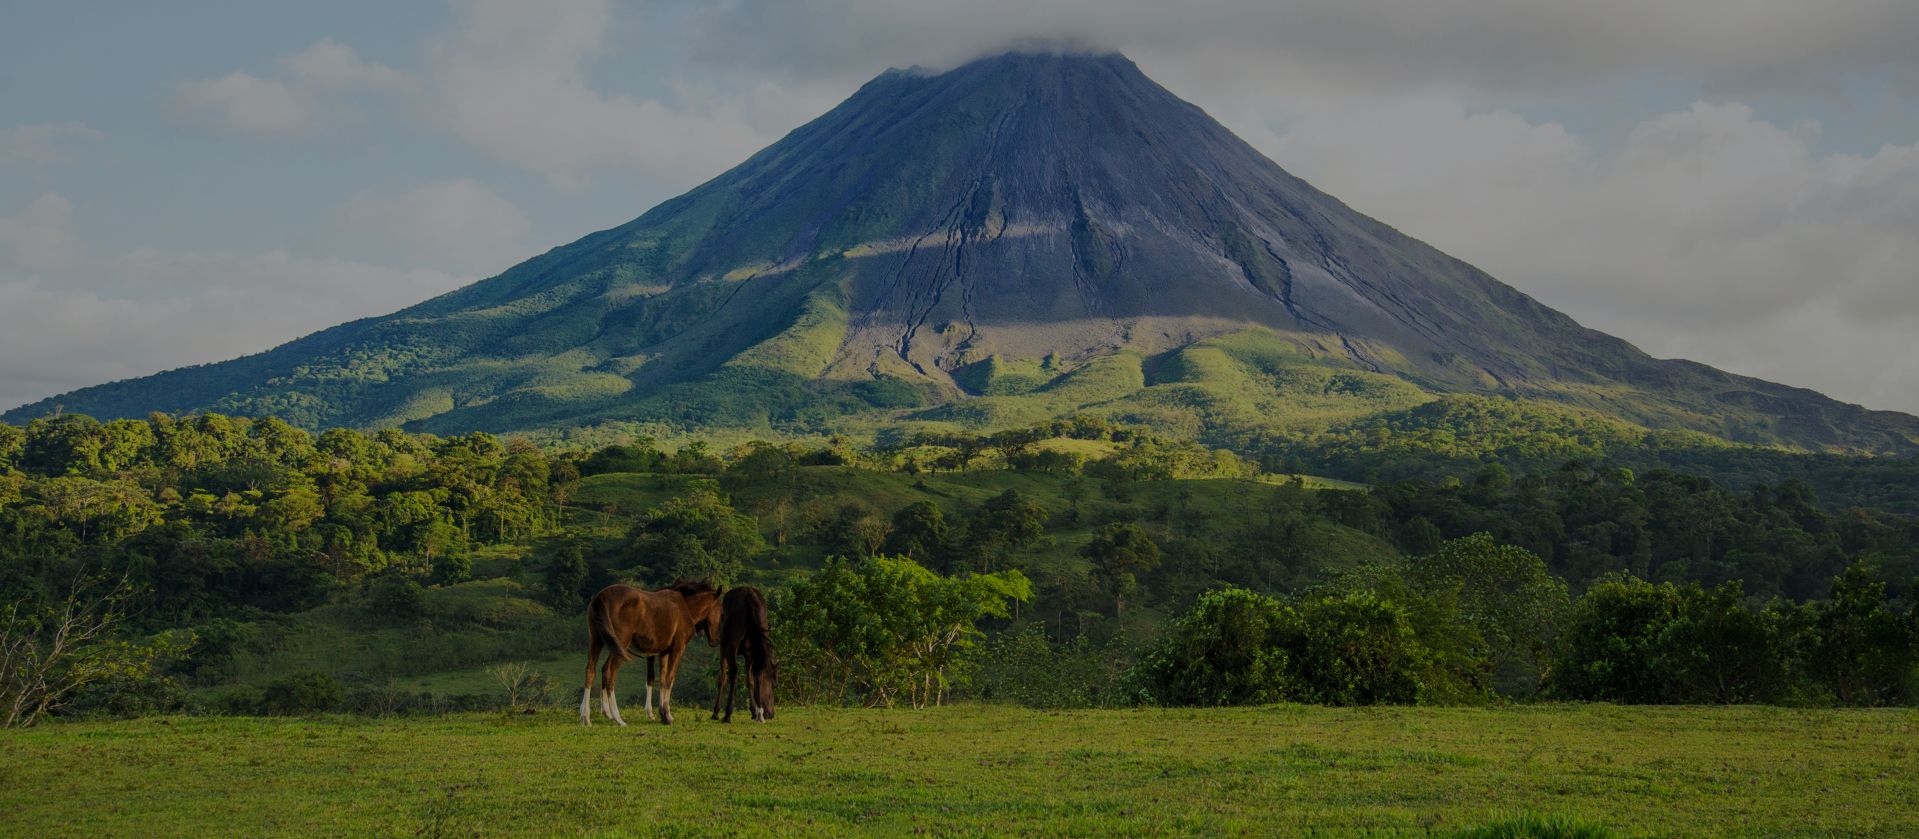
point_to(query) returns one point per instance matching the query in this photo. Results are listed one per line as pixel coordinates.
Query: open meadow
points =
(975, 769)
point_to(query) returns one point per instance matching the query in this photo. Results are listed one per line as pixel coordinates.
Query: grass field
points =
(977, 770)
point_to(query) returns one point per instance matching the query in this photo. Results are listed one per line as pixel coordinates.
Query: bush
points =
(132, 696)
(1228, 650)
(302, 693)
(396, 598)
(452, 568)
(1636, 642)
(1023, 667)
(1236, 648)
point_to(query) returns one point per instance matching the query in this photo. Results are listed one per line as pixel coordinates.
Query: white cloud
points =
(153, 310)
(329, 63)
(316, 78)
(456, 224)
(41, 238)
(46, 143)
(511, 81)
(1515, 47)
(1705, 233)
(246, 103)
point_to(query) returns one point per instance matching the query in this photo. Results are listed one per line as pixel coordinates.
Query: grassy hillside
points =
(978, 770)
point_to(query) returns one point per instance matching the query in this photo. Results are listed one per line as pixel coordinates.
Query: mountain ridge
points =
(1032, 210)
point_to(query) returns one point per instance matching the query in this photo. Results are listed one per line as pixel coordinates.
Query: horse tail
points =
(600, 620)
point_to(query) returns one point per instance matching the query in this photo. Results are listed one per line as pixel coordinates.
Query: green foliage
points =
(1005, 524)
(919, 533)
(1478, 601)
(884, 629)
(1022, 666)
(565, 572)
(1856, 647)
(303, 693)
(213, 515)
(452, 568)
(1589, 522)
(696, 536)
(1121, 553)
(57, 654)
(1236, 647)
(1629, 640)
(396, 598)
(1229, 650)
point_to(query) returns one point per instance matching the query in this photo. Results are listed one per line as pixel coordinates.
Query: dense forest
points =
(247, 565)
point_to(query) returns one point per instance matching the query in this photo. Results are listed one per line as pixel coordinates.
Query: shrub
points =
(452, 568)
(1236, 647)
(303, 693)
(396, 598)
(1228, 650)
(1636, 642)
(1022, 666)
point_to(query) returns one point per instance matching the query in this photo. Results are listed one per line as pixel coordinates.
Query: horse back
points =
(634, 620)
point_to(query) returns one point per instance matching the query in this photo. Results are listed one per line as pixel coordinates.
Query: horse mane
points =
(688, 588)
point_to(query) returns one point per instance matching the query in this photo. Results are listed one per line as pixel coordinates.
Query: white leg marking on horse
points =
(649, 701)
(615, 702)
(586, 708)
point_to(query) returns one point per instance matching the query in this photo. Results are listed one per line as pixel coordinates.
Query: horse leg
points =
(609, 694)
(669, 667)
(732, 668)
(754, 677)
(719, 688)
(649, 689)
(592, 663)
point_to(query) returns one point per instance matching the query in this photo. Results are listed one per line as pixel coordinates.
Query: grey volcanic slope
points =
(1018, 208)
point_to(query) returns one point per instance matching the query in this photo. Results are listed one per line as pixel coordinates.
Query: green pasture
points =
(970, 770)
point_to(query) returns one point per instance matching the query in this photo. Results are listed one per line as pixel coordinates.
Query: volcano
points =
(1024, 236)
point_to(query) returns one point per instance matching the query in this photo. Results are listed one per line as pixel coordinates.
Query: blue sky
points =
(1734, 181)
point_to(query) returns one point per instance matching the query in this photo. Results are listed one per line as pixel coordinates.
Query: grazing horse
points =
(634, 621)
(743, 631)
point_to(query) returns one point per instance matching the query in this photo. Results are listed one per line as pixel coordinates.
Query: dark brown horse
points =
(634, 622)
(743, 632)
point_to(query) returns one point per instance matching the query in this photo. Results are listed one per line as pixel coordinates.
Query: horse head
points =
(702, 607)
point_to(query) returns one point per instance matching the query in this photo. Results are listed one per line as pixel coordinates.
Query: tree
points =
(1236, 647)
(697, 536)
(919, 533)
(397, 597)
(1859, 649)
(853, 532)
(886, 629)
(1629, 640)
(450, 568)
(1002, 526)
(1229, 649)
(50, 653)
(1357, 649)
(566, 570)
(1121, 553)
(1474, 599)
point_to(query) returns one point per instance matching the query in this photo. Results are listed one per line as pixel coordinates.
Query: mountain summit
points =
(1027, 235)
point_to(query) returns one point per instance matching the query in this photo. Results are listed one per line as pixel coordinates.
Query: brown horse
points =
(743, 631)
(634, 622)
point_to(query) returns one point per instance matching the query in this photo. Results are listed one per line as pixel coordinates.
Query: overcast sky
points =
(1732, 181)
